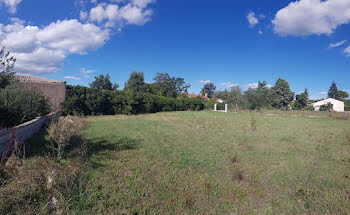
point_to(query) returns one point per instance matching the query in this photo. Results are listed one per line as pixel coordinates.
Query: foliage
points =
(6, 66)
(136, 82)
(256, 99)
(333, 91)
(18, 105)
(341, 95)
(62, 131)
(103, 83)
(235, 98)
(281, 95)
(164, 85)
(88, 101)
(301, 100)
(310, 108)
(209, 89)
(326, 107)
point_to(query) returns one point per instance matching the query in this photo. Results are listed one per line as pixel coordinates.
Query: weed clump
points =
(64, 131)
(254, 123)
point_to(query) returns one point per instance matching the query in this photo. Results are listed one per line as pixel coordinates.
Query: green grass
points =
(205, 163)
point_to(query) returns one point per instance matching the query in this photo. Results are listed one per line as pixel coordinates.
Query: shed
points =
(338, 106)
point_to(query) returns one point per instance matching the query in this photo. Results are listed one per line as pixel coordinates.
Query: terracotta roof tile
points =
(36, 80)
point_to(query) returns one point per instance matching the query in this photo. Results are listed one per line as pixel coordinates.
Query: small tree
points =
(103, 83)
(7, 63)
(208, 89)
(333, 91)
(136, 82)
(301, 100)
(235, 97)
(341, 95)
(327, 107)
(281, 95)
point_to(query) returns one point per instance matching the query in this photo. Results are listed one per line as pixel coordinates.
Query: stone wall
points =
(55, 93)
(23, 131)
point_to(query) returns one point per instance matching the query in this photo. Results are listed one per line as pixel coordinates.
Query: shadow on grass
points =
(40, 145)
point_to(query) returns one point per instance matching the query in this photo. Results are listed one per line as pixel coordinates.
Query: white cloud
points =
(334, 45)
(86, 71)
(229, 84)
(83, 15)
(252, 19)
(205, 82)
(323, 93)
(347, 51)
(260, 32)
(11, 4)
(307, 17)
(253, 86)
(42, 50)
(135, 12)
(72, 78)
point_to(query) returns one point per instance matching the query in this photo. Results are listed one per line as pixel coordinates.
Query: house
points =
(219, 100)
(338, 106)
(193, 96)
(53, 91)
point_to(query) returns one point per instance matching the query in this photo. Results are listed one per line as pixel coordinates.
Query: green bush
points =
(326, 107)
(18, 105)
(86, 101)
(310, 108)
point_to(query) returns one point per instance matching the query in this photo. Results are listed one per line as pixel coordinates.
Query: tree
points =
(165, 85)
(333, 91)
(281, 95)
(103, 83)
(341, 95)
(208, 89)
(301, 100)
(235, 97)
(136, 82)
(6, 68)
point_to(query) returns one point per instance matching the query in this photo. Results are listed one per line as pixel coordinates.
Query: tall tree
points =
(281, 95)
(235, 97)
(208, 89)
(301, 100)
(7, 63)
(333, 91)
(341, 95)
(169, 86)
(103, 83)
(136, 82)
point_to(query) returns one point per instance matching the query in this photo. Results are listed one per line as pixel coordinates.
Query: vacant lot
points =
(207, 163)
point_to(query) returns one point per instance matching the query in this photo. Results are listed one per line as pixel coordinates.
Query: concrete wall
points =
(55, 93)
(23, 131)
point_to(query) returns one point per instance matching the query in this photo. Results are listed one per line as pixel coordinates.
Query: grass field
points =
(207, 163)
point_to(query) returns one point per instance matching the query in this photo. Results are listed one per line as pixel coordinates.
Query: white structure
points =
(216, 108)
(338, 106)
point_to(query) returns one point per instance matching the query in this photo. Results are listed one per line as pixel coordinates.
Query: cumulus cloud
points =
(253, 86)
(347, 51)
(42, 50)
(72, 78)
(11, 4)
(229, 84)
(135, 12)
(334, 45)
(252, 19)
(307, 17)
(205, 82)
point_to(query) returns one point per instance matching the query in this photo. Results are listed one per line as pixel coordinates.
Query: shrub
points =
(18, 105)
(309, 108)
(62, 131)
(326, 107)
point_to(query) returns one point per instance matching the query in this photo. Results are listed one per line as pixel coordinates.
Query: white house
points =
(338, 106)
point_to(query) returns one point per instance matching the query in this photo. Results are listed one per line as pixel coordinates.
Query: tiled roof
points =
(36, 80)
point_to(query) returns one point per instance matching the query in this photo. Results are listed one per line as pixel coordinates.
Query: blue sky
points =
(226, 42)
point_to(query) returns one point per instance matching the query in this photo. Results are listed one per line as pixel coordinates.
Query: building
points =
(53, 91)
(193, 96)
(338, 106)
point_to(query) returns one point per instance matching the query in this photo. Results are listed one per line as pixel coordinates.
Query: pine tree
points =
(333, 91)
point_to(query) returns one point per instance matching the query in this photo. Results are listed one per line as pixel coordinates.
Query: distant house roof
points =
(193, 96)
(36, 80)
(325, 101)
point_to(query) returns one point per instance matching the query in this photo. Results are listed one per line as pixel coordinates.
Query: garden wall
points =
(23, 131)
